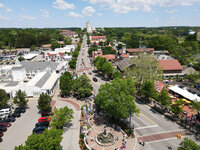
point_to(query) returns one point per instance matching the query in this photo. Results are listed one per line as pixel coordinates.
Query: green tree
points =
(176, 108)
(61, 117)
(88, 42)
(49, 140)
(3, 98)
(117, 98)
(164, 98)
(82, 87)
(197, 64)
(20, 98)
(75, 54)
(72, 64)
(144, 68)
(188, 144)
(92, 49)
(68, 41)
(66, 83)
(107, 69)
(33, 48)
(20, 58)
(44, 102)
(60, 37)
(108, 50)
(148, 89)
(192, 77)
(116, 74)
(55, 44)
(196, 105)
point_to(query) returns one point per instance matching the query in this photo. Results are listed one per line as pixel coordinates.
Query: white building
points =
(88, 27)
(32, 77)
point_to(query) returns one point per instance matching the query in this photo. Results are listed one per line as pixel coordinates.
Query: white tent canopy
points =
(185, 93)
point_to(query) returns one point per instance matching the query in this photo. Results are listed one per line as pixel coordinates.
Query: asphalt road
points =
(20, 130)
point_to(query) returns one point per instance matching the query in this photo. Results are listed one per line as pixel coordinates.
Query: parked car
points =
(39, 130)
(1, 134)
(10, 119)
(42, 124)
(16, 114)
(90, 73)
(42, 119)
(5, 111)
(44, 114)
(4, 129)
(94, 79)
(5, 124)
(197, 86)
(20, 110)
(1, 139)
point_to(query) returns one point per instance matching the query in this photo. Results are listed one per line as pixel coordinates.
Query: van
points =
(6, 111)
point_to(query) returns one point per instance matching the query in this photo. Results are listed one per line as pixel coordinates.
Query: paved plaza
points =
(97, 127)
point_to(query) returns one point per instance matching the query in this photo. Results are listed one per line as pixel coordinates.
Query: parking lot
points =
(20, 129)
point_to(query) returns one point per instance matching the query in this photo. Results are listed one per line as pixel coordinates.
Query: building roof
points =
(123, 64)
(97, 38)
(17, 67)
(189, 70)
(124, 56)
(46, 45)
(51, 81)
(159, 86)
(33, 66)
(108, 57)
(43, 80)
(30, 56)
(184, 93)
(170, 64)
(139, 50)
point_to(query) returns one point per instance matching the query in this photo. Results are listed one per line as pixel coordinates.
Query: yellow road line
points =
(148, 119)
(97, 83)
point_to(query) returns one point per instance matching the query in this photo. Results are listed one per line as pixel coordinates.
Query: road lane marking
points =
(146, 127)
(141, 120)
(148, 119)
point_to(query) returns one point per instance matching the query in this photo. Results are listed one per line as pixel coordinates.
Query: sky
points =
(100, 13)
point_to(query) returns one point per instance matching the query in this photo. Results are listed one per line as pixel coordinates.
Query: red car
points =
(42, 119)
(1, 133)
(5, 124)
(44, 114)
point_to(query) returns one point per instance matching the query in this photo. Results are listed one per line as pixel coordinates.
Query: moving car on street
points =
(94, 79)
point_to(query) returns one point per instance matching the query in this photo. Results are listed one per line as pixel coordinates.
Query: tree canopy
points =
(188, 144)
(3, 98)
(82, 87)
(61, 117)
(144, 68)
(148, 89)
(44, 102)
(66, 83)
(50, 139)
(117, 98)
(20, 98)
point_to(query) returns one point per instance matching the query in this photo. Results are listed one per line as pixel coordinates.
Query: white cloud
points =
(4, 18)
(125, 6)
(99, 14)
(8, 10)
(75, 15)
(62, 5)
(45, 13)
(26, 17)
(171, 11)
(88, 11)
(1, 5)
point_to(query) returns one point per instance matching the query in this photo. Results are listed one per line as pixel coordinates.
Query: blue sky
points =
(101, 13)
